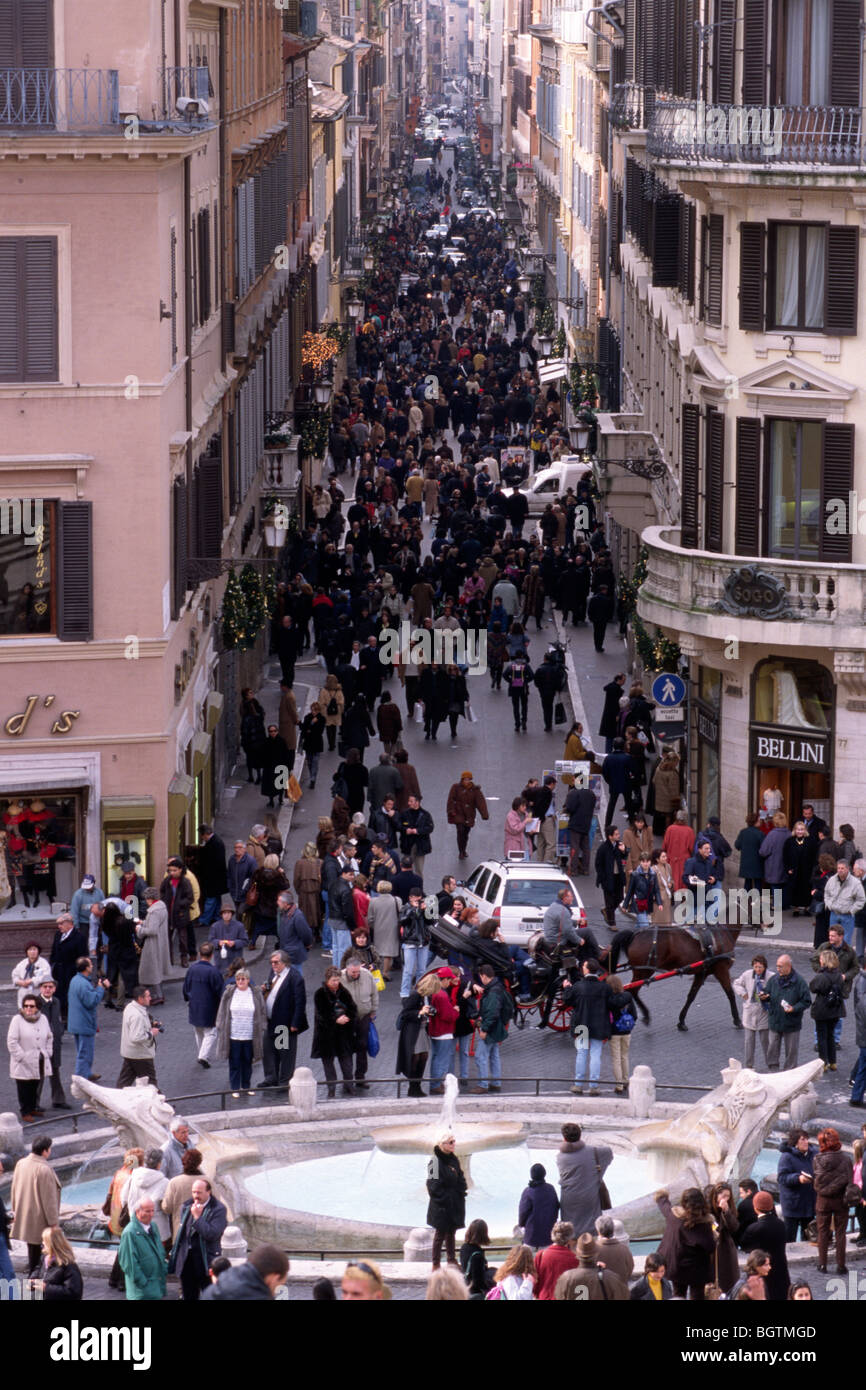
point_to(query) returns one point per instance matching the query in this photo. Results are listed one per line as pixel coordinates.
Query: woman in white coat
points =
(30, 1043)
(31, 971)
(152, 934)
(747, 987)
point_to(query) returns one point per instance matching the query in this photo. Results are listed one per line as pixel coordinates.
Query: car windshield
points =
(532, 892)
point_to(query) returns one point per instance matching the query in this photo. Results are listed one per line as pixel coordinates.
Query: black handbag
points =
(559, 714)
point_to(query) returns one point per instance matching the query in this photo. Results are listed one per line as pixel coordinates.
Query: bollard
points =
(12, 1135)
(642, 1091)
(234, 1243)
(418, 1249)
(302, 1093)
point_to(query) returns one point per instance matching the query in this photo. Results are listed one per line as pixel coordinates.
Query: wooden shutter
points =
(754, 52)
(603, 268)
(747, 489)
(845, 53)
(841, 283)
(691, 424)
(686, 250)
(753, 236)
(28, 309)
(666, 234)
(179, 547)
(26, 33)
(75, 571)
(203, 258)
(837, 480)
(192, 263)
(209, 506)
(172, 302)
(724, 47)
(712, 259)
(714, 480)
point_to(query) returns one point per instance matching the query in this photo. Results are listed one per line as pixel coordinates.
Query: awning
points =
(128, 810)
(200, 752)
(213, 708)
(180, 794)
(554, 370)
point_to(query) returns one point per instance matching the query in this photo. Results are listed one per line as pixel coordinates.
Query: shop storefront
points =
(707, 728)
(791, 737)
(127, 835)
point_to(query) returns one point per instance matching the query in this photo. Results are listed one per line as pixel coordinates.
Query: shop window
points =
(710, 687)
(793, 695)
(39, 863)
(26, 567)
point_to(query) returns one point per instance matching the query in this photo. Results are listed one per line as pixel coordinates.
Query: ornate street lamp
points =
(369, 261)
(354, 308)
(545, 344)
(323, 390)
(579, 436)
(523, 283)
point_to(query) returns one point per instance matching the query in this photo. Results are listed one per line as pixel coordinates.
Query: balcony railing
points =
(690, 590)
(632, 104)
(80, 101)
(697, 131)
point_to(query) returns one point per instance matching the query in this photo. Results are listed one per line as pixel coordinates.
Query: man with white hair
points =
(175, 1147)
(141, 1255)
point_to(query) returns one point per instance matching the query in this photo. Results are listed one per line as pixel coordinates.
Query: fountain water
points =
(471, 1138)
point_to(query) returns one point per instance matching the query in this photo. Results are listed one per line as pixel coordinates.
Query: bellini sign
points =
(795, 752)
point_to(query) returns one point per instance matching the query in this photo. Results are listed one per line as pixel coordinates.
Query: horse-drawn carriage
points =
(548, 977)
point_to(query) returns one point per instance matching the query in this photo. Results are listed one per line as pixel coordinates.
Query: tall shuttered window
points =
(28, 309)
(714, 480)
(689, 475)
(799, 276)
(712, 262)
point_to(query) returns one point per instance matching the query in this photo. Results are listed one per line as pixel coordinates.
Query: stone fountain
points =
(471, 1138)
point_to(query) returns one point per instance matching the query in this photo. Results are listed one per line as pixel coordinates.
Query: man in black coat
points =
(286, 1004)
(49, 1005)
(609, 726)
(517, 510)
(416, 827)
(277, 759)
(67, 946)
(212, 878)
(591, 1001)
(370, 672)
(579, 807)
(550, 680)
(767, 1232)
(600, 610)
(288, 639)
(610, 860)
(122, 955)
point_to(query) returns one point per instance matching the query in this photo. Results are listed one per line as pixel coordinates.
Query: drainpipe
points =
(607, 12)
(187, 336)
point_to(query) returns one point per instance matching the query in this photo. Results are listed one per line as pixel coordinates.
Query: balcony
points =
(803, 604)
(80, 101)
(697, 132)
(631, 105)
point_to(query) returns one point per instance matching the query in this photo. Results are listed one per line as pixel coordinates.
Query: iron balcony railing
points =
(47, 100)
(696, 131)
(631, 106)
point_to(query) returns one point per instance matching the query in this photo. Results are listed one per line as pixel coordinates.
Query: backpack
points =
(624, 1021)
(517, 677)
(339, 786)
(833, 997)
(333, 707)
(506, 1008)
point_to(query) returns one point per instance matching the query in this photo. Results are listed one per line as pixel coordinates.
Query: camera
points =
(155, 1023)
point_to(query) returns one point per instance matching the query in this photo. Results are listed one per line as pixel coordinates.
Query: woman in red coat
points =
(678, 844)
(555, 1260)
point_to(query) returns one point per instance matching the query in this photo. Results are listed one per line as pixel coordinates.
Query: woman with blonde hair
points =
(332, 702)
(113, 1206)
(828, 1005)
(324, 835)
(662, 915)
(446, 1286)
(383, 924)
(307, 883)
(515, 1277)
(266, 885)
(362, 1282)
(58, 1279)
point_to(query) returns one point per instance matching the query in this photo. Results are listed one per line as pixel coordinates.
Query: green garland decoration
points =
(560, 342)
(339, 335)
(314, 432)
(656, 651)
(235, 616)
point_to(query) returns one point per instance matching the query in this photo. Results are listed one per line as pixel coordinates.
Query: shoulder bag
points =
(603, 1194)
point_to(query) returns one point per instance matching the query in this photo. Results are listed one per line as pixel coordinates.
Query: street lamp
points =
(276, 528)
(354, 308)
(579, 436)
(323, 390)
(523, 283)
(369, 261)
(510, 241)
(545, 344)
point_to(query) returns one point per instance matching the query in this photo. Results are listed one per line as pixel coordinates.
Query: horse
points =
(675, 947)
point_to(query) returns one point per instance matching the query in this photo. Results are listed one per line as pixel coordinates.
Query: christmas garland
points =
(314, 432)
(656, 652)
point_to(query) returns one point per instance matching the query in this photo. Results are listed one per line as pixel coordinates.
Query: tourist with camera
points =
(138, 1040)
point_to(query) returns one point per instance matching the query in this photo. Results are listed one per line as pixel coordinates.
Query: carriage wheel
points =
(559, 1016)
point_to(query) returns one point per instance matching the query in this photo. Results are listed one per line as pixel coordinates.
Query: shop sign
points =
(16, 724)
(708, 727)
(791, 750)
(750, 592)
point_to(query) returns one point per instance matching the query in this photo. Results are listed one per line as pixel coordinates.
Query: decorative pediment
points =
(790, 375)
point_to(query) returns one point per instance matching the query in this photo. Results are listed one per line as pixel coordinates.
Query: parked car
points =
(552, 482)
(516, 893)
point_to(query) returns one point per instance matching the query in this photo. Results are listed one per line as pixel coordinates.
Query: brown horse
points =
(675, 947)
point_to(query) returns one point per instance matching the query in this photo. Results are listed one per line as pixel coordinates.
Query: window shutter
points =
(603, 267)
(752, 262)
(686, 247)
(192, 262)
(172, 303)
(691, 424)
(35, 33)
(747, 490)
(841, 286)
(715, 480)
(845, 53)
(39, 256)
(837, 480)
(75, 571)
(210, 507)
(666, 242)
(713, 237)
(204, 301)
(724, 46)
(754, 52)
(179, 550)
(11, 311)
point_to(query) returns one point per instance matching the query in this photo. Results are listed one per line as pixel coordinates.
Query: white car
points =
(450, 142)
(516, 892)
(438, 232)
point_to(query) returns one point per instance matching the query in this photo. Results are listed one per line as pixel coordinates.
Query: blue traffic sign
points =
(668, 690)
